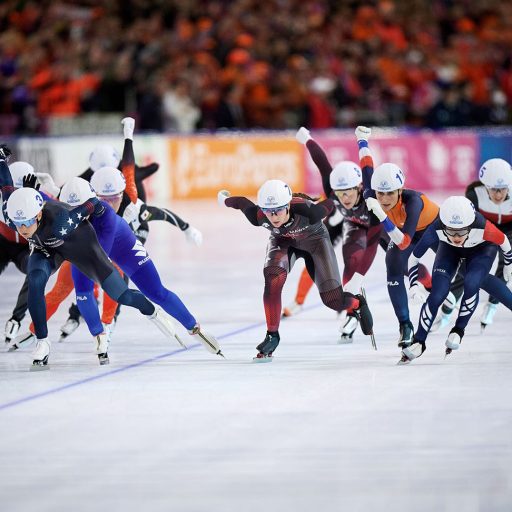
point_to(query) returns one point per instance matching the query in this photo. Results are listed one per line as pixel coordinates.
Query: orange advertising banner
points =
(201, 166)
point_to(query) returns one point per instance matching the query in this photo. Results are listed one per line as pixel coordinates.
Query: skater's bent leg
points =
(396, 267)
(477, 270)
(148, 282)
(119, 291)
(275, 278)
(339, 300)
(86, 301)
(40, 269)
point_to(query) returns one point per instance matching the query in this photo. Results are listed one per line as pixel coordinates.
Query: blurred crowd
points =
(194, 65)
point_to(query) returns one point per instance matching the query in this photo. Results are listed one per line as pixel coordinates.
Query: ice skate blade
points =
(13, 348)
(39, 366)
(482, 328)
(103, 359)
(345, 340)
(179, 340)
(264, 359)
(447, 352)
(403, 361)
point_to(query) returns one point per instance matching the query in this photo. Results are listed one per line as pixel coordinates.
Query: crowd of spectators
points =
(257, 64)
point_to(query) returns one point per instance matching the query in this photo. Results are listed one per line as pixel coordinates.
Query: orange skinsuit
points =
(64, 286)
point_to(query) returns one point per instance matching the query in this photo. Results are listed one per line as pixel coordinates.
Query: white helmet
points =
(18, 171)
(274, 194)
(496, 173)
(387, 177)
(24, 204)
(76, 191)
(104, 156)
(457, 212)
(345, 175)
(108, 181)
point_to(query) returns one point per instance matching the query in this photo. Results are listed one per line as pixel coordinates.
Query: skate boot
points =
(364, 315)
(487, 315)
(291, 309)
(101, 346)
(454, 340)
(40, 355)
(266, 348)
(165, 324)
(412, 351)
(209, 342)
(23, 339)
(406, 334)
(12, 327)
(348, 327)
(443, 316)
(68, 328)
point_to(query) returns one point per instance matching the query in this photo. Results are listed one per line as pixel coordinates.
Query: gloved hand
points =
(194, 236)
(128, 127)
(507, 274)
(363, 133)
(335, 219)
(418, 293)
(30, 181)
(47, 183)
(131, 212)
(303, 135)
(5, 152)
(374, 206)
(222, 196)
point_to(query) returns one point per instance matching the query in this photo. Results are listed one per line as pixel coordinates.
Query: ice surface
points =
(323, 427)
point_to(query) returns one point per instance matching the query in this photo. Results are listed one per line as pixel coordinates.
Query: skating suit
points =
(479, 252)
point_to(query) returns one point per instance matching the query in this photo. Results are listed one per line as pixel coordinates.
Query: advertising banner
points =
(201, 166)
(431, 162)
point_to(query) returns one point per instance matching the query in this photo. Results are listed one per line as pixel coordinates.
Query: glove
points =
(363, 133)
(5, 152)
(128, 127)
(335, 219)
(194, 236)
(30, 181)
(507, 274)
(131, 212)
(374, 206)
(417, 293)
(303, 135)
(222, 196)
(47, 183)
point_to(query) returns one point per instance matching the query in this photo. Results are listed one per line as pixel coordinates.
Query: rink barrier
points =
(196, 167)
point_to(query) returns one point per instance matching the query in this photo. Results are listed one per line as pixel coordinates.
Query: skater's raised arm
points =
(128, 159)
(319, 157)
(365, 159)
(314, 212)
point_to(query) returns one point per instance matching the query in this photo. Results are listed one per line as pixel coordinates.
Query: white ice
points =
(323, 427)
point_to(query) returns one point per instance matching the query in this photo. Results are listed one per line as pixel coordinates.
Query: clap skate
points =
(165, 325)
(101, 345)
(208, 341)
(21, 340)
(487, 315)
(68, 328)
(348, 327)
(291, 309)
(266, 348)
(412, 351)
(40, 356)
(12, 327)
(364, 316)
(454, 340)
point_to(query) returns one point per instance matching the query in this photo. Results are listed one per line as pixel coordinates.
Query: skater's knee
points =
(275, 278)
